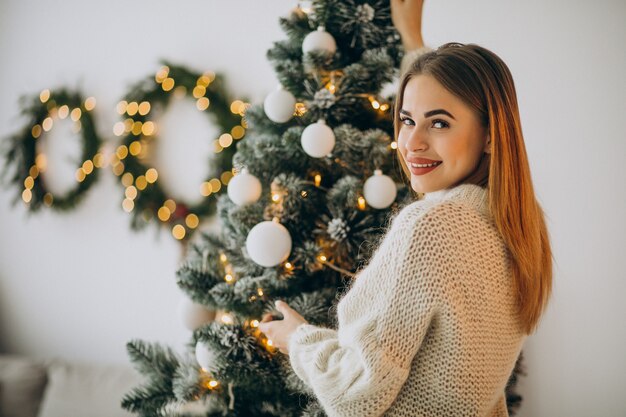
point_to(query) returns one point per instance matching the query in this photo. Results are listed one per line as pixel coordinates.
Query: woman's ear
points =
(487, 148)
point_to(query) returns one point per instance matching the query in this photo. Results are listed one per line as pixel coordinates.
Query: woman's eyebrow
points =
(430, 113)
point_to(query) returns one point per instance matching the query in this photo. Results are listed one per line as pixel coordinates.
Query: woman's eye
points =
(406, 121)
(440, 124)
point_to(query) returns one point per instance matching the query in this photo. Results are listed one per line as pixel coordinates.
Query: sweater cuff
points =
(410, 57)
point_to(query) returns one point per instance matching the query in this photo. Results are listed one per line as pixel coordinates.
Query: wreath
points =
(145, 199)
(42, 112)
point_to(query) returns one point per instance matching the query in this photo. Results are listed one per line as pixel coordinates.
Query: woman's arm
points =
(359, 369)
(406, 16)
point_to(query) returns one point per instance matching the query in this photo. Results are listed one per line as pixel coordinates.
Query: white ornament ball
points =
(279, 105)
(193, 314)
(319, 40)
(268, 243)
(244, 188)
(318, 139)
(379, 190)
(205, 356)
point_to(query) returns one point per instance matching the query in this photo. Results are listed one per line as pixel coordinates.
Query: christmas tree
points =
(317, 183)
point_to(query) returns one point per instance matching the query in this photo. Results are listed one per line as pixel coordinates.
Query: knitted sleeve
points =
(359, 369)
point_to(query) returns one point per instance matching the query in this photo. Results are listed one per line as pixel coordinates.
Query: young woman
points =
(434, 324)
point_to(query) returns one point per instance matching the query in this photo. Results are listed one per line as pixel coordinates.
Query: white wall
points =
(80, 285)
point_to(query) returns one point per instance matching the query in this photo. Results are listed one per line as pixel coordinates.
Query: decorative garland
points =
(144, 198)
(42, 113)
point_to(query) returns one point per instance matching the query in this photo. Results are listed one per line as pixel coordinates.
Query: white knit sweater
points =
(429, 328)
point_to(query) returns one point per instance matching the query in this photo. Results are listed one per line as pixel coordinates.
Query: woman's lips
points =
(421, 166)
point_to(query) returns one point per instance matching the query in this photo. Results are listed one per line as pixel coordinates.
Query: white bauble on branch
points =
(193, 314)
(244, 188)
(318, 139)
(319, 40)
(205, 356)
(268, 243)
(279, 105)
(379, 190)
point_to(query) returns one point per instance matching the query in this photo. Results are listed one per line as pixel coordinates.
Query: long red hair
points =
(483, 81)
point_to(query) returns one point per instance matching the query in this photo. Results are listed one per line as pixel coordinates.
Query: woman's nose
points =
(416, 142)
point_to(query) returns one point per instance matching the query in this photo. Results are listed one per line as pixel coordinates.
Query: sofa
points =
(61, 388)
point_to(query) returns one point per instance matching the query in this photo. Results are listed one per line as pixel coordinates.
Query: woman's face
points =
(441, 138)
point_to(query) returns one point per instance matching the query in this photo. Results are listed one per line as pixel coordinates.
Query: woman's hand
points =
(279, 331)
(406, 16)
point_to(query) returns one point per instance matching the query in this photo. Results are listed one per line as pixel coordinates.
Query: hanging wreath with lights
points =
(29, 164)
(145, 198)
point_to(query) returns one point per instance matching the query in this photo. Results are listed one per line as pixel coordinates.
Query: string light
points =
(212, 384)
(318, 180)
(394, 145)
(361, 203)
(254, 323)
(178, 232)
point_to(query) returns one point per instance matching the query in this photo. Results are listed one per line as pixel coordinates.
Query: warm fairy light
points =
(47, 124)
(128, 125)
(238, 107)
(322, 258)
(288, 265)
(29, 182)
(48, 199)
(270, 343)
(227, 319)
(136, 129)
(148, 128)
(275, 197)
(164, 214)
(152, 175)
(202, 103)
(90, 103)
(118, 129)
(80, 175)
(41, 162)
(141, 183)
(306, 6)
(199, 91)
(361, 203)
(178, 232)
(217, 148)
(64, 111)
(44, 95)
(121, 107)
(203, 81)
(226, 177)
(304, 194)
(225, 140)
(88, 166)
(121, 152)
(213, 384)
(192, 221)
(134, 148)
(384, 107)
(260, 292)
(300, 109)
(118, 168)
(228, 278)
(318, 180)
(375, 104)
(216, 185)
(254, 323)
(331, 87)
(162, 74)
(237, 132)
(394, 145)
(223, 257)
(36, 131)
(131, 192)
(170, 204)
(132, 108)
(206, 189)
(144, 108)
(33, 171)
(76, 113)
(98, 160)
(27, 195)
(167, 84)
(127, 179)
(128, 205)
